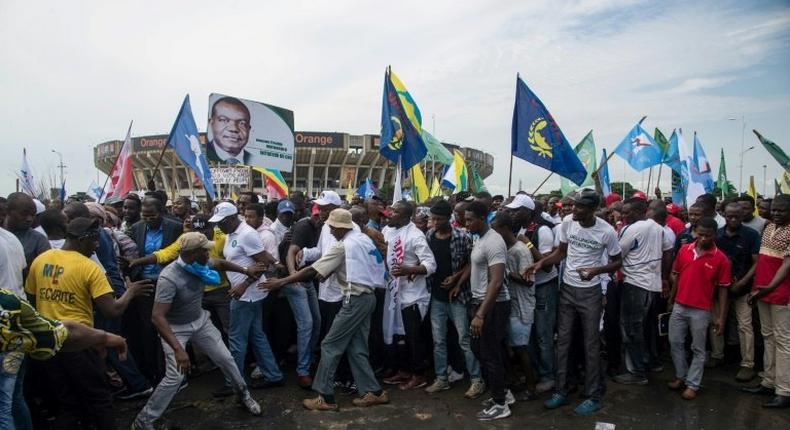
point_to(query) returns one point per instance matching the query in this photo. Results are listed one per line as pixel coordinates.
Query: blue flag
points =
(701, 167)
(536, 137)
(603, 175)
(672, 154)
(401, 124)
(366, 190)
(63, 192)
(639, 149)
(184, 140)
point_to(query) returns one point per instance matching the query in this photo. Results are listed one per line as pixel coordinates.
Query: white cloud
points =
(74, 74)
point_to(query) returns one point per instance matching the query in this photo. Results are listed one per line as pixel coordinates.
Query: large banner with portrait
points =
(249, 133)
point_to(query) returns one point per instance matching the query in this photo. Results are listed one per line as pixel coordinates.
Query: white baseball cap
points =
(328, 198)
(521, 201)
(222, 211)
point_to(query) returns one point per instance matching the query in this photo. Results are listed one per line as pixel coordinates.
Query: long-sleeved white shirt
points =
(416, 252)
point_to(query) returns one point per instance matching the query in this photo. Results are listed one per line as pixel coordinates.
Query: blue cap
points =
(285, 206)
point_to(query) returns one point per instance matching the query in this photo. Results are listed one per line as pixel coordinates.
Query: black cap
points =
(442, 208)
(82, 227)
(588, 197)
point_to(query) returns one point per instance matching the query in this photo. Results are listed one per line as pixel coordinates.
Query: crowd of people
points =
(524, 298)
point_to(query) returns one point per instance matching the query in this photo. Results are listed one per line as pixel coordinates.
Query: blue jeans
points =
(12, 400)
(455, 312)
(304, 304)
(546, 296)
(130, 373)
(246, 325)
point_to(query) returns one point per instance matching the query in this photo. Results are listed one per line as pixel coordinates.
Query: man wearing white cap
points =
(359, 268)
(180, 318)
(243, 247)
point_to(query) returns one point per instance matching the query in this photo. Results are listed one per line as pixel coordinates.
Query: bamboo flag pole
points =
(541, 184)
(510, 176)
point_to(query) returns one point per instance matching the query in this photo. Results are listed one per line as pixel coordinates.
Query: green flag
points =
(586, 152)
(722, 181)
(477, 181)
(661, 140)
(436, 151)
(775, 151)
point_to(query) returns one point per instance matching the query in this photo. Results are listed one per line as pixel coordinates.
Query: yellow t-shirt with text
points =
(64, 284)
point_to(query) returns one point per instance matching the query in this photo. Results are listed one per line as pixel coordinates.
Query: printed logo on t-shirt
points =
(53, 271)
(584, 242)
(233, 243)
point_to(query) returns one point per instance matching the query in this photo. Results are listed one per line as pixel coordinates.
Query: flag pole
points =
(542, 183)
(128, 133)
(510, 175)
(658, 180)
(649, 180)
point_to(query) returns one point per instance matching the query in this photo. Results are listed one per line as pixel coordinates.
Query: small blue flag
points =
(366, 190)
(639, 149)
(536, 137)
(701, 167)
(672, 154)
(401, 124)
(63, 192)
(184, 140)
(603, 175)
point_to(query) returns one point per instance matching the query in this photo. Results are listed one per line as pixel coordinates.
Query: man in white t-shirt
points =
(243, 246)
(646, 250)
(584, 241)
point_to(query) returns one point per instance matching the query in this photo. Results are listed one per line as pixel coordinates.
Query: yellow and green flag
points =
(420, 192)
(457, 176)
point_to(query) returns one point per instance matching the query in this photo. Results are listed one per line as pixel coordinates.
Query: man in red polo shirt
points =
(771, 293)
(698, 270)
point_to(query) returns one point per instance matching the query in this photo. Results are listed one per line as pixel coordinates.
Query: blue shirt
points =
(153, 242)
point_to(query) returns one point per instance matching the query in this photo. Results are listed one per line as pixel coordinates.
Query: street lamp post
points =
(743, 139)
(61, 166)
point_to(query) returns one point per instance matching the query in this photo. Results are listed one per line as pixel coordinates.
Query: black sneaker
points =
(225, 391)
(347, 389)
(131, 395)
(260, 384)
(630, 379)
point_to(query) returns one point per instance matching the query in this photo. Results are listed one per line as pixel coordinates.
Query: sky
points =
(75, 73)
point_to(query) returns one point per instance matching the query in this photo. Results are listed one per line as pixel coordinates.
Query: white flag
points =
(26, 177)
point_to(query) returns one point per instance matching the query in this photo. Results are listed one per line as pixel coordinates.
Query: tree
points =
(730, 191)
(628, 191)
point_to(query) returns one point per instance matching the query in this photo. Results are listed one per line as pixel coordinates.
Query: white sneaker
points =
(256, 373)
(453, 376)
(509, 400)
(476, 389)
(544, 386)
(246, 400)
(437, 386)
(494, 413)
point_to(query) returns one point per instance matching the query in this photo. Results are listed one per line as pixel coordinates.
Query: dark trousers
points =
(488, 347)
(635, 306)
(413, 325)
(611, 326)
(217, 303)
(82, 390)
(376, 337)
(580, 304)
(142, 338)
(130, 373)
(328, 312)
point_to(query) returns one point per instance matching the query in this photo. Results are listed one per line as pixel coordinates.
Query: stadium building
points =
(322, 161)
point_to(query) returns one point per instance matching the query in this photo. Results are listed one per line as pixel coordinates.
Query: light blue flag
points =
(603, 176)
(639, 149)
(701, 166)
(184, 140)
(366, 190)
(672, 154)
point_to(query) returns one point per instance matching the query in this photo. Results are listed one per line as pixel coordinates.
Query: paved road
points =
(719, 406)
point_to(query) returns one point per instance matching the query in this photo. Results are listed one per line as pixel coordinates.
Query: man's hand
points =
(477, 326)
(587, 273)
(755, 296)
(454, 293)
(124, 263)
(532, 269)
(139, 288)
(256, 270)
(670, 304)
(718, 326)
(117, 342)
(271, 284)
(238, 290)
(449, 282)
(665, 289)
(398, 270)
(182, 361)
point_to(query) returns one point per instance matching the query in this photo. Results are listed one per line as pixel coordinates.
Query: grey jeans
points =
(205, 336)
(349, 334)
(584, 304)
(683, 320)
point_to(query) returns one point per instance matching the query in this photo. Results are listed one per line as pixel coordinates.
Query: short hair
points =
(781, 199)
(660, 214)
(18, 198)
(708, 202)
(746, 198)
(233, 101)
(159, 195)
(358, 214)
(270, 209)
(733, 203)
(253, 196)
(483, 195)
(707, 223)
(133, 197)
(52, 220)
(158, 203)
(409, 207)
(636, 203)
(697, 205)
(504, 220)
(258, 208)
(479, 209)
(77, 210)
(498, 196)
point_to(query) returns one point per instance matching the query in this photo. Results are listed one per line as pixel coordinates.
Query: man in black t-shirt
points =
(449, 295)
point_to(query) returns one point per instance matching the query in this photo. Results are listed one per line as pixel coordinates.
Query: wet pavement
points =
(719, 406)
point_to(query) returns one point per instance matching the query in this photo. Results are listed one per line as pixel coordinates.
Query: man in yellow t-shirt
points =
(64, 284)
